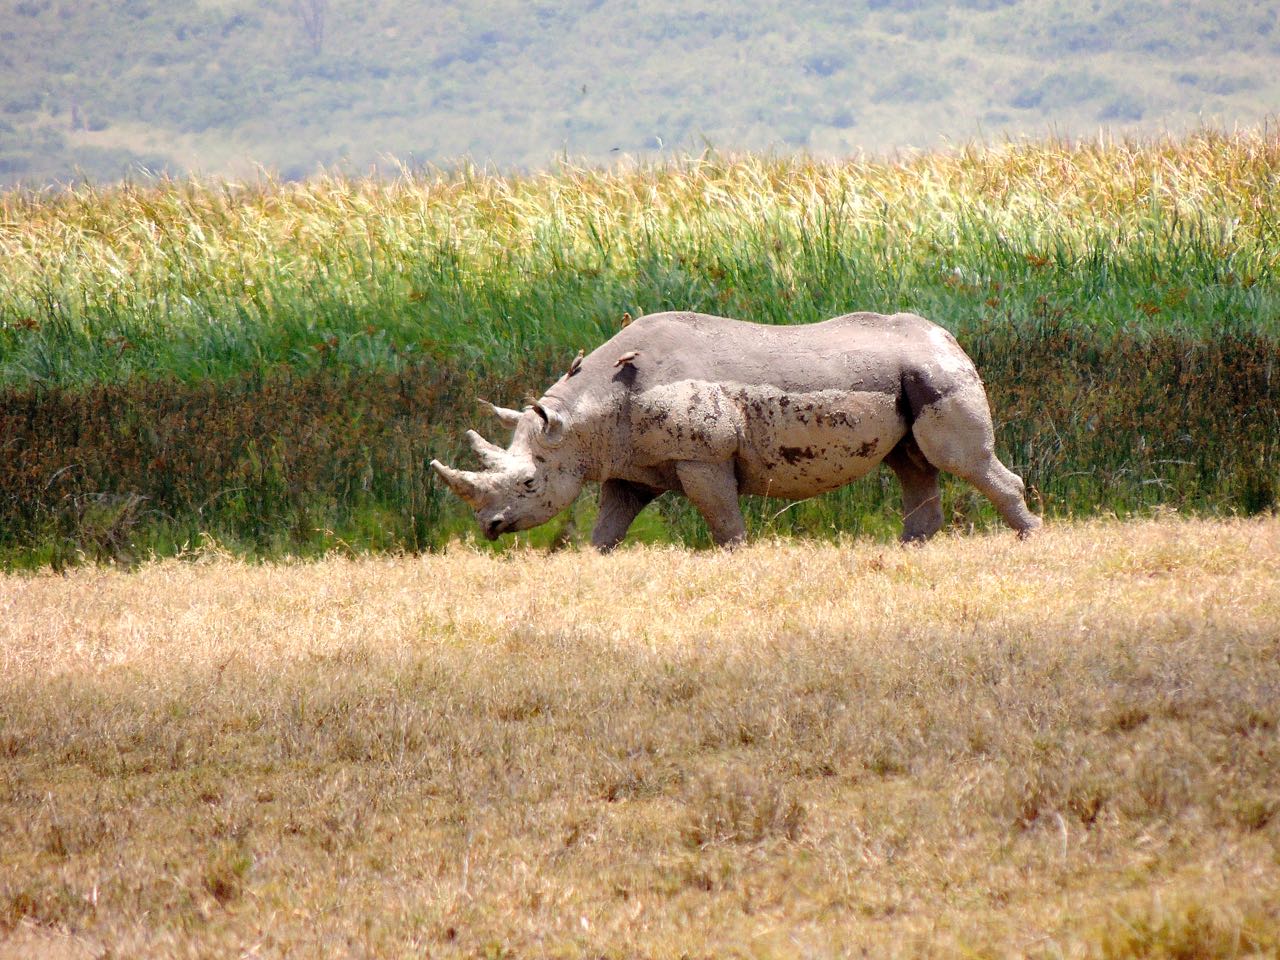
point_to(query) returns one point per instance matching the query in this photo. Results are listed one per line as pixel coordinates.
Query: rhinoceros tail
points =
(936, 369)
(917, 391)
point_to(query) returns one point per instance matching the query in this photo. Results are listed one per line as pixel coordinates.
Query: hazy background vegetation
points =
(100, 87)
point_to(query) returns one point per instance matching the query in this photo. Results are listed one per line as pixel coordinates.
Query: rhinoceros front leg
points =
(713, 489)
(620, 502)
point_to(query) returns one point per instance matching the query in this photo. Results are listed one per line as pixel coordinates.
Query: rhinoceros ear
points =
(554, 427)
(506, 415)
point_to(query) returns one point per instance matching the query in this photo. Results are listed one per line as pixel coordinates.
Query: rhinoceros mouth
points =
(495, 528)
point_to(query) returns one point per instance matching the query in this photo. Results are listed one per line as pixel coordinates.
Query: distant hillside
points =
(102, 86)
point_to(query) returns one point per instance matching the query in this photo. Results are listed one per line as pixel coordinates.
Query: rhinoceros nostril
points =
(493, 528)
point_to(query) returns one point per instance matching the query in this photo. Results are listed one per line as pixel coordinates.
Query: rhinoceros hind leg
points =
(956, 435)
(620, 503)
(713, 489)
(921, 498)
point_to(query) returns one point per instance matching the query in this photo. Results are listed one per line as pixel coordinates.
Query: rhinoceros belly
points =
(798, 445)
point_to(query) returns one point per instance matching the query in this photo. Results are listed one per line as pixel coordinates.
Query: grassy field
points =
(194, 280)
(1060, 748)
(273, 364)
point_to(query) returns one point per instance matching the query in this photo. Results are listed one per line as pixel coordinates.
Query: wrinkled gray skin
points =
(714, 408)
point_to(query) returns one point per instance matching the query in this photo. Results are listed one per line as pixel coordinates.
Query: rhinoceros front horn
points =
(461, 482)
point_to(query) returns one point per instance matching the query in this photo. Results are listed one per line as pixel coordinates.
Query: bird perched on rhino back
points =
(713, 408)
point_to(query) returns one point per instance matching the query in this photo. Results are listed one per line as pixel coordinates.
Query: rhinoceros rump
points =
(714, 408)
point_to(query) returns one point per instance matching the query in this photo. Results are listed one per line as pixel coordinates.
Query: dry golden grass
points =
(1066, 747)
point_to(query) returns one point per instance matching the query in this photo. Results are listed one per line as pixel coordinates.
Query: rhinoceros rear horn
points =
(507, 416)
(461, 482)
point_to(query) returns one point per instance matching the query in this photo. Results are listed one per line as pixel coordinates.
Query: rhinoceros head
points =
(526, 484)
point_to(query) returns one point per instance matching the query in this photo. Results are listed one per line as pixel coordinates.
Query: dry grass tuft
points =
(1064, 748)
(224, 874)
(1189, 929)
(739, 807)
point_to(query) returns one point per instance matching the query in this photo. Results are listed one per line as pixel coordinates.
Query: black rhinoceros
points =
(714, 408)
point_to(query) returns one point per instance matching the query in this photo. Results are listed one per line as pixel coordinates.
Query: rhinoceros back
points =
(800, 409)
(861, 351)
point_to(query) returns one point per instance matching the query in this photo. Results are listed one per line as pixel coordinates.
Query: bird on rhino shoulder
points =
(714, 408)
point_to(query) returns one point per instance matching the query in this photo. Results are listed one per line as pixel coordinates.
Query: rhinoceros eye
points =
(528, 484)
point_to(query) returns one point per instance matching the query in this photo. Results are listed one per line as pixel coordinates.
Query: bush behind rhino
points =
(302, 463)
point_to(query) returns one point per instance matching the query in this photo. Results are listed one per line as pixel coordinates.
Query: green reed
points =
(197, 280)
(273, 364)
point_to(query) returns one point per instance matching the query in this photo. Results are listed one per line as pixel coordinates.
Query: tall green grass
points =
(199, 280)
(271, 364)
